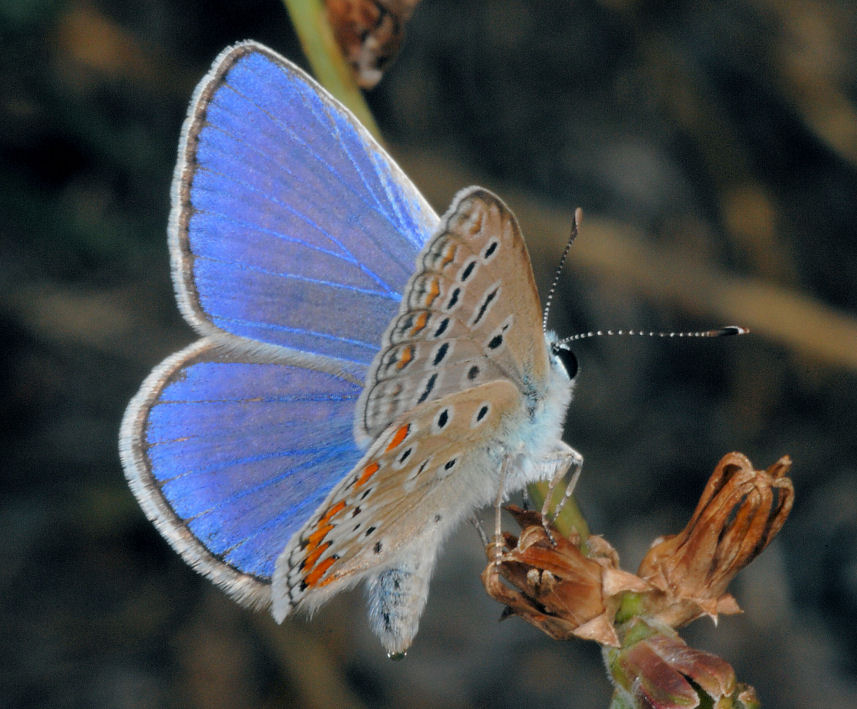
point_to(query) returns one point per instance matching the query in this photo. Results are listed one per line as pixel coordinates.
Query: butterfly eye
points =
(569, 361)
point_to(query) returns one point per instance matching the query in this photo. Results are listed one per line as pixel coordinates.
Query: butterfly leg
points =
(567, 459)
(480, 530)
(498, 532)
(397, 596)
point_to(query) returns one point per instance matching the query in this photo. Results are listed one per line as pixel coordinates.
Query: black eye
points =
(569, 361)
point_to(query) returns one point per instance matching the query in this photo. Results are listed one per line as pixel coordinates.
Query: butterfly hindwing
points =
(470, 314)
(395, 494)
(286, 211)
(230, 455)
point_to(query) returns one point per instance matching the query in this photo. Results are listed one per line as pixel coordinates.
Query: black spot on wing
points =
(453, 299)
(443, 418)
(484, 305)
(442, 327)
(440, 354)
(429, 386)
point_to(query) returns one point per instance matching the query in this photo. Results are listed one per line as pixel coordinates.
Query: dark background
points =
(718, 136)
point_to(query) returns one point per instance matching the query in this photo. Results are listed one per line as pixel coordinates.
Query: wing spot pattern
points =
(399, 436)
(453, 299)
(433, 292)
(475, 224)
(420, 323)
(429, 386)
(406, 354)
(483, 306)
(448, 254)
(440, 354)
(443, 419)
(497, 340)
(314, 577)
(332, 511)
(441, 328)
(446, 468)
(313, 556)
(424, 292)
(367, 473)
(468, 270)
(481, 414)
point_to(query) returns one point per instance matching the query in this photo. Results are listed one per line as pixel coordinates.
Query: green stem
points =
(570, 518)
(329, 66)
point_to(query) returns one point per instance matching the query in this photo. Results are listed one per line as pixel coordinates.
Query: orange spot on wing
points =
(331, 513)
(399, 437)
(476, 226)
(433, 292)
(368, 472)
(422, 319)
(313, 577)
(406, 356)
(309, 562)
(319, 534)
(448, 255)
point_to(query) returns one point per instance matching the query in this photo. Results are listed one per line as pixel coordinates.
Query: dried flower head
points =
(369, 33)
(559, 589)
(571, 589)
(739, 513)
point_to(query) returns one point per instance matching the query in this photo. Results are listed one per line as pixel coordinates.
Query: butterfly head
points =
(562, 356)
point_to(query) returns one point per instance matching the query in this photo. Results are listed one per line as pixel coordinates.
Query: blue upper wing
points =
(290, 224)
(292, 236)
(229, 456)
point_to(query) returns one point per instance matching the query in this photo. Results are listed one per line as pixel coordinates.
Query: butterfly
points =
(367, 374)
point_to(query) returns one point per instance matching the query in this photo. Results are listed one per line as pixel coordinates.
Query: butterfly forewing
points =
(286, 212)
(396, 492)
(470, 314)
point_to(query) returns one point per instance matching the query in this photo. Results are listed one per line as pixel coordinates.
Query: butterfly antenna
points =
(718, 332)
(575, 223)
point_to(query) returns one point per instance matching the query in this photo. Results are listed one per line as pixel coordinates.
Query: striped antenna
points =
(718, 332)
(575, 224)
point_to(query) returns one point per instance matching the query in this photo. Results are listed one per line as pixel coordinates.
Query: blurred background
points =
(713, 148)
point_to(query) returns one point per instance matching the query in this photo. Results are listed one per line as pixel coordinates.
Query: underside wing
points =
(470, 314)
(397, 493)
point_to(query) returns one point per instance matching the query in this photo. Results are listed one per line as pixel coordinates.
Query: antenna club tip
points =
(578, 216)
(731, 330)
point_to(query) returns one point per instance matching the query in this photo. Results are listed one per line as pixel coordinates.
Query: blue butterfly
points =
(367, 375)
